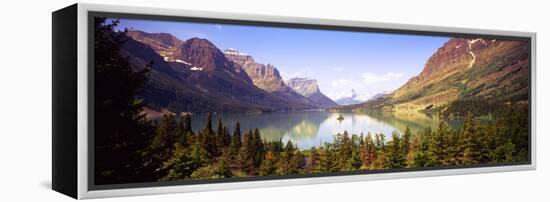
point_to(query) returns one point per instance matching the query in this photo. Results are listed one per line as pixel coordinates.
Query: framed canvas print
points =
(150, 101)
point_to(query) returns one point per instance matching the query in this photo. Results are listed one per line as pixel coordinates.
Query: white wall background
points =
(25, 102)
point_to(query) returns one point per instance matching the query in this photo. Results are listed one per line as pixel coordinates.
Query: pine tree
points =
(406, 140)
(368, 151)
(355, 161)
(395, 157)
(345, 149)
(235, 145)
(122, 132)
(221, 171)
(268, 165)
(226, 137)
(437, 144)
(182, 132)
(208, 139)
(220, 135)
(468, 143)
(187, 124)
(164, 139)
(183, 163)
(247, 153)
(312, 160)
(424, 155)
(413, 148)
(286, 165)
(297, 162)
(329, 159)
(258, 148)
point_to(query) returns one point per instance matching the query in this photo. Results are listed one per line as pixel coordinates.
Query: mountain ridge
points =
(462, 69)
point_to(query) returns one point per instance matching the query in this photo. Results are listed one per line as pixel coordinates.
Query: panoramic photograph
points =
(185, 101)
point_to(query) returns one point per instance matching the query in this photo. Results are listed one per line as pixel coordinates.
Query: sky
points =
(369, 63)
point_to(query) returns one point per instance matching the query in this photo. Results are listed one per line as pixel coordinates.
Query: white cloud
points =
(219, 27)
(305, 72)
(341, 88)
(338, 69)
(370, 78)
(341, 83)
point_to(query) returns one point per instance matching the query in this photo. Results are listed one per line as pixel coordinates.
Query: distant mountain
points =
(378, 96)
(496, 71)
(266, 77)
(310, 89)
(195, 76)
(351, 100)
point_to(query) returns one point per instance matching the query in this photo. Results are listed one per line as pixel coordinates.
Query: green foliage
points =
(235, 145)
(474, 143)
(165, 137)
(329, 159)
(121, 131)
(184, 162)
(395, 158)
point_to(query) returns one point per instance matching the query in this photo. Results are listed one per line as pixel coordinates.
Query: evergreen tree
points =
(226, 137)
(182, 131)
(258, 147)
(355, 161)
(121, 131)
(312, 160)
(297, 162)
(329, 159)
(368, 151)
(345, 149)
(437, 144)
(208, 137)
(470, 154)
(406, 140)
(395, 157)
(287, 163)
(424, 155)
(247, 153)
(220, 135)
(235, 145)
(413, 148)
(221, 171)
(187, 128)
(165, 136)
(183, 163)
(268, 165)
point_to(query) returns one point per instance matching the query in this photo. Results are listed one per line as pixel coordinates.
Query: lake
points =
(313, 128)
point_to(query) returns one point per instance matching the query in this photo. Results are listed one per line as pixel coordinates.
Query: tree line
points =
(211, 154)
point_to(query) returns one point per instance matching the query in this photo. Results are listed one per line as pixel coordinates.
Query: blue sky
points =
(369, 63)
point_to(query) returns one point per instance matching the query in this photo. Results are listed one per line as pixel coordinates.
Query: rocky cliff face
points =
(465, 68)
(266, 77)
(310, 89)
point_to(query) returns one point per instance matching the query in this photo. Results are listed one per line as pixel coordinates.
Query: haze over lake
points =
(312, 128)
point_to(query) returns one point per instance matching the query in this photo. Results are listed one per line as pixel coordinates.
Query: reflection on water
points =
(312, 128)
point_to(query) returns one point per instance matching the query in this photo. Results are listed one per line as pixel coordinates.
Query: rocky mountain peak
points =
(304, 86)
(202, 53)
(160, 42)
(310, 89)
(264, 76)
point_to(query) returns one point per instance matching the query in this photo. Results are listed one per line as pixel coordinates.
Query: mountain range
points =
(494, 70)
(351, 100)
(193, 75)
